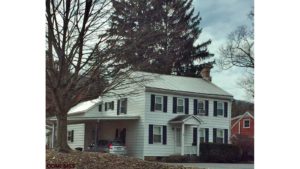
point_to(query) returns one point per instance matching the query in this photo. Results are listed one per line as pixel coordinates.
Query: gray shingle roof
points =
(180, 83)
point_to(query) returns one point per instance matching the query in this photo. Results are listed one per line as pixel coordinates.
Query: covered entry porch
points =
(183, 127)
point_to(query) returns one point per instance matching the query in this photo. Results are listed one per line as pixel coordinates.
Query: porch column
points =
(96, 133)
(52, 135)
(198, 140)
(182, 139)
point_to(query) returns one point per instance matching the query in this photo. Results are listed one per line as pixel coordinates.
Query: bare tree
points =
(239, 52)
(78, 64)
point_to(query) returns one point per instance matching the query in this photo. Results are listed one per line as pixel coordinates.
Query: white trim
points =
(161, 134)
(120, 117)
(244, 123)
(183, 105)
(162, 103)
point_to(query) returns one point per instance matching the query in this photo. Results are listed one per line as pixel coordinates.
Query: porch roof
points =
(185, 119)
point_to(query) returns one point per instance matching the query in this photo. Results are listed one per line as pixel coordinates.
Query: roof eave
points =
(169, 91)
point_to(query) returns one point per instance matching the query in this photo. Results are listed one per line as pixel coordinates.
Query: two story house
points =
(164, 115)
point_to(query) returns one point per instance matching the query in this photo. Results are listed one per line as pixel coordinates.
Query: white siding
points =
(161, 118)
(134, 128)
(78, 140)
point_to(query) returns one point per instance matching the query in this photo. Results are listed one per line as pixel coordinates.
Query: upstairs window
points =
(220, 109)
(180, 105)
(158, 103)
(200, 108)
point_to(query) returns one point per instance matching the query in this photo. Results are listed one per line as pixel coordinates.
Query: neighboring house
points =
(165, 115)
(243, 125)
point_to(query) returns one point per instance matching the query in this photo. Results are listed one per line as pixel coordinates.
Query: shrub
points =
(221, 153)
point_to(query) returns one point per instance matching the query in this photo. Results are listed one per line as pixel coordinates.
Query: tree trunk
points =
(62, 142)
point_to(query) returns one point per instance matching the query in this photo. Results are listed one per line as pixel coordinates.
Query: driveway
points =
(216, 165)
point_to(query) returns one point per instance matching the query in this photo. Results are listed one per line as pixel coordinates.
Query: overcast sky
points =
(219, 18)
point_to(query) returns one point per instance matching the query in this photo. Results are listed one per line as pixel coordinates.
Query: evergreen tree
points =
(159, 36)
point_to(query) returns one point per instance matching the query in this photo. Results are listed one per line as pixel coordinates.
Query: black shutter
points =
(112, 105)
(165, 104)
(225, 109)
(206, 135)
(195, 135)
(215, 108)
(152, 102)
(72, 135)
(174, 104)
(225, 136)
(125, 111)
(186, 105)
(117, 133)
(100, 107)
(150, 134)
(206, 107)
(118, 107)
(214, 135)
(105, 105)
(164, 134)
(195, 106)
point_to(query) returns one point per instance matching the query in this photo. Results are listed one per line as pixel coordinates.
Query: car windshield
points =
(117, 143)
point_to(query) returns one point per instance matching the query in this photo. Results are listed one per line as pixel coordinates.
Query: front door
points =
(177, 140)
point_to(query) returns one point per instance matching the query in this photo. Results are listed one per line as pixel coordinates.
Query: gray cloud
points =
(219, 18)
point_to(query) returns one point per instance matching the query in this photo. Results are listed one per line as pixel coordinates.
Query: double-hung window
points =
(220, 136)
(220, 109)
(158, 103)
(180, 105)
(201, 108)
(202, 135)
(157, 134)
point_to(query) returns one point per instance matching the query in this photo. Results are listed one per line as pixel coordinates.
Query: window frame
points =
(204, 136)
(223, 135)
(198, 107)
(161, 103)
(244, 120)
(110, 105)
(223, 111)
(180, 106)
(161, 134)
(120, 109)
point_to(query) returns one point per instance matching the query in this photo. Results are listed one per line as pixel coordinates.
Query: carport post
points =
(52, 135)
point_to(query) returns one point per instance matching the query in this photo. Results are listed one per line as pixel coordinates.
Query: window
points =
(157, 134)
(111, 105)
(158, 103)
(123, 105)
(70, 135)
(220, 109)
(202, 135)
(247, 123)
(200, 107)
(220, 136)
(180, 105)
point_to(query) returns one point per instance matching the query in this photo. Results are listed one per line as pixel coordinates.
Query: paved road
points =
(216, 165)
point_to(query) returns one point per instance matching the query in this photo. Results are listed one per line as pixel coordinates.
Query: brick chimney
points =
(205, 72)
